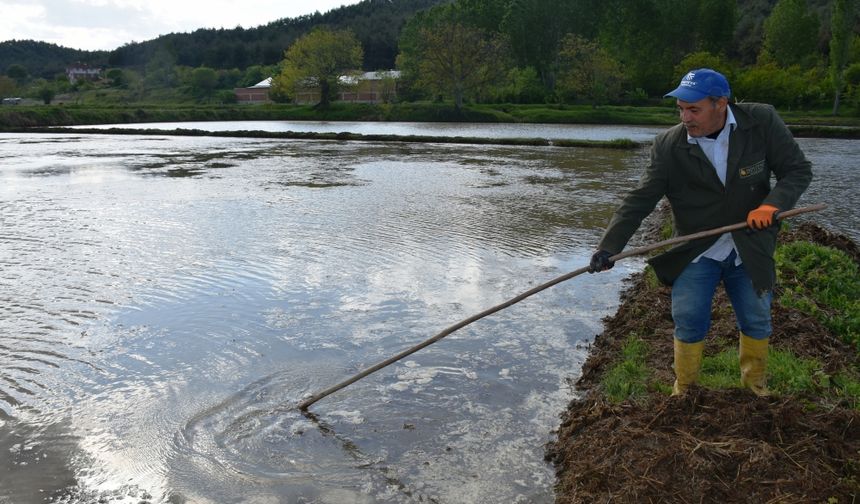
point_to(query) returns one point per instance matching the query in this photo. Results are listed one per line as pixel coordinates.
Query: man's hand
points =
(762, 217)
(600, 262)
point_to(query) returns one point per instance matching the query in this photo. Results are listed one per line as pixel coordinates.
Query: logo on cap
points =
(688, 81)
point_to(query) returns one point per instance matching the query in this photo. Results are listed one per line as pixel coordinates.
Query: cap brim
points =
(686, 94)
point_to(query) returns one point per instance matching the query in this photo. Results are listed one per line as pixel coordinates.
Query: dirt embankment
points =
(709, 445)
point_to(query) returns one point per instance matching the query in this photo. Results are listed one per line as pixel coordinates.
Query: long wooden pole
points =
(305, 404)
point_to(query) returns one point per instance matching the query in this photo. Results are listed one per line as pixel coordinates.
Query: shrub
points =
(782, 87)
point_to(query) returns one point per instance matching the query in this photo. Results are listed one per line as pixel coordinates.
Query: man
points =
(715, 169)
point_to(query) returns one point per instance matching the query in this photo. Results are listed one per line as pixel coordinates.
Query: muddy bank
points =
(711, 445)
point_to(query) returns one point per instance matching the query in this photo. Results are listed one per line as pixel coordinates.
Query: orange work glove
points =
(762, 217)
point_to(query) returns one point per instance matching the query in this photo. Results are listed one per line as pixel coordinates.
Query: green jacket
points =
(760, 146)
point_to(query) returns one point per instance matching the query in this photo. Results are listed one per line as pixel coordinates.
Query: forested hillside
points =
(42, 59)
(376, 23)
(800, 54)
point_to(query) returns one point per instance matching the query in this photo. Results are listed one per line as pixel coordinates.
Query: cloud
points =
(17, 16)
(108, 24)
(75, 24)
(82, 14)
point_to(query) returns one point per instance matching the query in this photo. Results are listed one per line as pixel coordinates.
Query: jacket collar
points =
(738, 139)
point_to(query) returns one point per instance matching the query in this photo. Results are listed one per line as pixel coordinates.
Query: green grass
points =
(847, 388)
(628, 379)
(824, 283)
(721, 371)
(667, 229)
(787, 375)
(820, 281)
(821, 116)
(651, 278)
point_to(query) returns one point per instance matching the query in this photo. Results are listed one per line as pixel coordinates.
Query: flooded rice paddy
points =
(166, 301)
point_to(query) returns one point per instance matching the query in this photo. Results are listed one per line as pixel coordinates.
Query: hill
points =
(376, 23)
(42, 59)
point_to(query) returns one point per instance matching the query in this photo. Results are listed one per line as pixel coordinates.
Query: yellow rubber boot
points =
(688, 361)
(753, 355)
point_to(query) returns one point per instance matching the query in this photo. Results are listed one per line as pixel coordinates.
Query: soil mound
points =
(709, 445)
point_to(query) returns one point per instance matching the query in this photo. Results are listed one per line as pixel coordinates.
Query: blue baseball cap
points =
(700, 84)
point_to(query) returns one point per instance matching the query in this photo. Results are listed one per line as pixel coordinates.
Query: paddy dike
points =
(723, 445)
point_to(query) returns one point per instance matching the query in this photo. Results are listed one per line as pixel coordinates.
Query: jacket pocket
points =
(754, 181)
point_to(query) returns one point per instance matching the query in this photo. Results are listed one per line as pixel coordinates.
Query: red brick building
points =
(258, 93)
(372, 87)
(369, 87)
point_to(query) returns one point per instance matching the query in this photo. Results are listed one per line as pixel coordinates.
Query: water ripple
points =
(169, 323)
(255, 438)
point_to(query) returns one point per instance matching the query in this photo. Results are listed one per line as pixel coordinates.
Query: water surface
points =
(166, 301)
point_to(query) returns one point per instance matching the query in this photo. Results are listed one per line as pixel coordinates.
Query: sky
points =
(108, 24)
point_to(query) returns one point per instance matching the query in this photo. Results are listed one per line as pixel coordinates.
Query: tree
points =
(449, 58)
(649, 37)
(116, 77)
(319, 59)
(161, 69)
(716, 24)
(387, 88)
(7, 86)
(521, 85)
(484, 14)
(61, 83)
(588, 71)
(770, 83)
(254, 74)
(46, 92)
(790, 33)
(228, 79)
(841, 28)
(17, 72)
(203, 82)
(533, 29)
(240, 57)
(852, 81)
(703, 59)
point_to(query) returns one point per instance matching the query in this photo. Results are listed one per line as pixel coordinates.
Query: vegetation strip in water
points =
(801, 124)
(626, 439)
(343, 136)
(71, 114)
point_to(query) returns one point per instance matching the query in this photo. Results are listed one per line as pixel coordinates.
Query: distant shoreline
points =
(293, 135)
(21, 117)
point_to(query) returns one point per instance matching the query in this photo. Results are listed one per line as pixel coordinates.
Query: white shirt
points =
(717, 151)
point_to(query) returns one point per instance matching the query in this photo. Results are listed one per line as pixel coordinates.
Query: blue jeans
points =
(693, 294)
